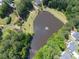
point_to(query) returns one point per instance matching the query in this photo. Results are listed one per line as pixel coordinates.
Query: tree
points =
(23, 7)
(7, 20)
(3, 9)
(14, 44)
(53, 47)
(57, 4)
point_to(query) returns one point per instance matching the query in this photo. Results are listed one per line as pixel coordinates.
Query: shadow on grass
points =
(24, 15)
(25, 12)
(7, 12)
(28, 49)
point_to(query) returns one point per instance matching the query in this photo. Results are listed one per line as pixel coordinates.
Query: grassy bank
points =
(58, 15)
(2, 22)
(28, 25)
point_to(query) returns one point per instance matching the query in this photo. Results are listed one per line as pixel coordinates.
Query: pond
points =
(45, 25)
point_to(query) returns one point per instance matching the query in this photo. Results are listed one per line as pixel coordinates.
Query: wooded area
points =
(15, 44)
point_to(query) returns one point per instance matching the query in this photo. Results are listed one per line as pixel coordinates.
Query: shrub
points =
(7, 20)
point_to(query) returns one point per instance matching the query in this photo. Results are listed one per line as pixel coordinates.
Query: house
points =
(71, 46)
(75, 35)
(65, 55)
(12, 5)
(0, 2)
(75, 55)
(37, 2)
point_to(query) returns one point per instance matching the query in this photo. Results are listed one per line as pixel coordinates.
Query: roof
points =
(76, 55)
(71, 46)
(66, 55)
(0, 2)
(37, 2)
(75, 35)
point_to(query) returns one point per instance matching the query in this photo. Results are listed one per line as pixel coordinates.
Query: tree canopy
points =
(23, 6)
(4, 8)
(53, 48)
(14, 44)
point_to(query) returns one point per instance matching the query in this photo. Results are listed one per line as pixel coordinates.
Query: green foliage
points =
(7, 20)
(73, 6)
(8, 1)
(23, 6)
(14, 44)
(72, 13)
(53, 47)
(58, 4)
(3, 9)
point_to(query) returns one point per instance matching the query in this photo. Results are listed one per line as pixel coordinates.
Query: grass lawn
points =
(2, 22)
(28, 26)
(14, 18)
(58, 15)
